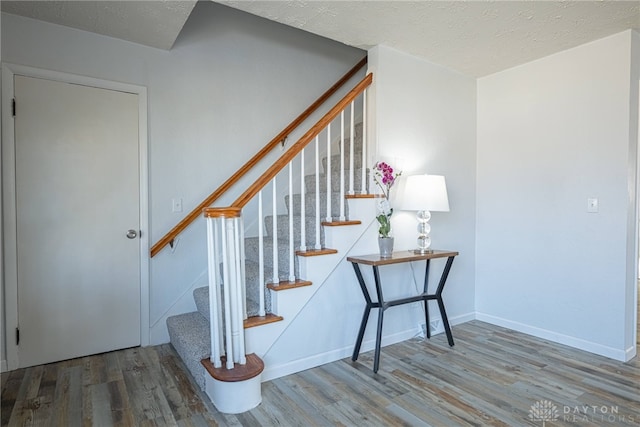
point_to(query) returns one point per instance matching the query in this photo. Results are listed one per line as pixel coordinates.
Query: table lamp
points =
(424, 194)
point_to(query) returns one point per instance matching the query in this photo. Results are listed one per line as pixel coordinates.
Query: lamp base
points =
(424, 241)
(422, 251)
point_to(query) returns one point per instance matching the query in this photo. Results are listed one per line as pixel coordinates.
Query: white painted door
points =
(77, 195)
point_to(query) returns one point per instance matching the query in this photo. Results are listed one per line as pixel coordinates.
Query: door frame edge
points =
(8, 212)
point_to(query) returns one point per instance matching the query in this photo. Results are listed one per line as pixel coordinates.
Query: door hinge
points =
(13, 107)
(17, 336)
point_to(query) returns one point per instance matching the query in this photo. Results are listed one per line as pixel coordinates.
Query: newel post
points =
(233, 383)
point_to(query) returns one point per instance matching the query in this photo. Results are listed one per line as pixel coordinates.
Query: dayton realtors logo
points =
(546, 411)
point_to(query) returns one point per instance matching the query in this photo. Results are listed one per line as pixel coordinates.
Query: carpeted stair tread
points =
(310, 181)
(283, 229)
(251, 250)
(201, 294)
(335, 162)
(201, 297)
(310, 205)
(190, 336)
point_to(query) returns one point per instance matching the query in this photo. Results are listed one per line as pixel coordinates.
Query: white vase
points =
(386, 246)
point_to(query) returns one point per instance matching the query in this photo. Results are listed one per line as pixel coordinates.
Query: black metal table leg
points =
(376, 357)
(363, 326)
(382, 306)
(365, 315)
(443, 313)
(425, 290)
(445, 322)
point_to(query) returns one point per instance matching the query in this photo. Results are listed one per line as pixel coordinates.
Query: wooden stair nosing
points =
(251, 369)
(361, 196)
(341, 223)
(316, 252)
(254, 321)
(286, 284)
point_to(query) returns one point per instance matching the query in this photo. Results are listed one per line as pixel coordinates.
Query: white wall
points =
(552, 133)
(426, 121)
(231, 82)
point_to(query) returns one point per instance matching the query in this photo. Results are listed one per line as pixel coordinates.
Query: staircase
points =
(251, 264)
(190, 333)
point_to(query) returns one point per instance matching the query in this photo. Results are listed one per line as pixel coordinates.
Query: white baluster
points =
(292, 275)
(351, 151)
(238, 312)
(243, 279)
(213, 284)
(261, 281)
(342, 217)
(218, 235)
(274, 211)
(318, 246)
(363, 190)
(233, 285)
(226, 280)
(303, 211)
(328, 172)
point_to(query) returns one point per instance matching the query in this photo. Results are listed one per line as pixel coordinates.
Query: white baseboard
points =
(630, 353)
(439, 327)
(462, 318)
(3, 366)
(277, 371)
(273, 372)
(592, 347)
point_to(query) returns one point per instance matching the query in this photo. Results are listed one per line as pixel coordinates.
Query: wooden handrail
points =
(280, 138)
(296, 148)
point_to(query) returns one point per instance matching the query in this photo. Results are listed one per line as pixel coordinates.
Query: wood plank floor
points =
(493, 376)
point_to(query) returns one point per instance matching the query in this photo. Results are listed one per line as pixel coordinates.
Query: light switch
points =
(592, 205)
(176, 205)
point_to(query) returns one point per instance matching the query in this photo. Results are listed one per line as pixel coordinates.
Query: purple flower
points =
(385, 177)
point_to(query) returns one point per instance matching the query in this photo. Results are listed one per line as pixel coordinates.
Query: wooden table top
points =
(399, 257)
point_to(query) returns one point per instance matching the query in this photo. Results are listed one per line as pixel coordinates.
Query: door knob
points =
(132, 234)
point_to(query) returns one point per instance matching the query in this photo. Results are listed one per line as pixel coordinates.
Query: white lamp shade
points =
(425, 192)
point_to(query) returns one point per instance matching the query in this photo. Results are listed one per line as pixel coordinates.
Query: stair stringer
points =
(316, 269)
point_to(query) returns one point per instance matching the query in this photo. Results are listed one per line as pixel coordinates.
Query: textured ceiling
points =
(473, 37)
(151, 23)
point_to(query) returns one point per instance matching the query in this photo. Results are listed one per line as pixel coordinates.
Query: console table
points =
(396, 258)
